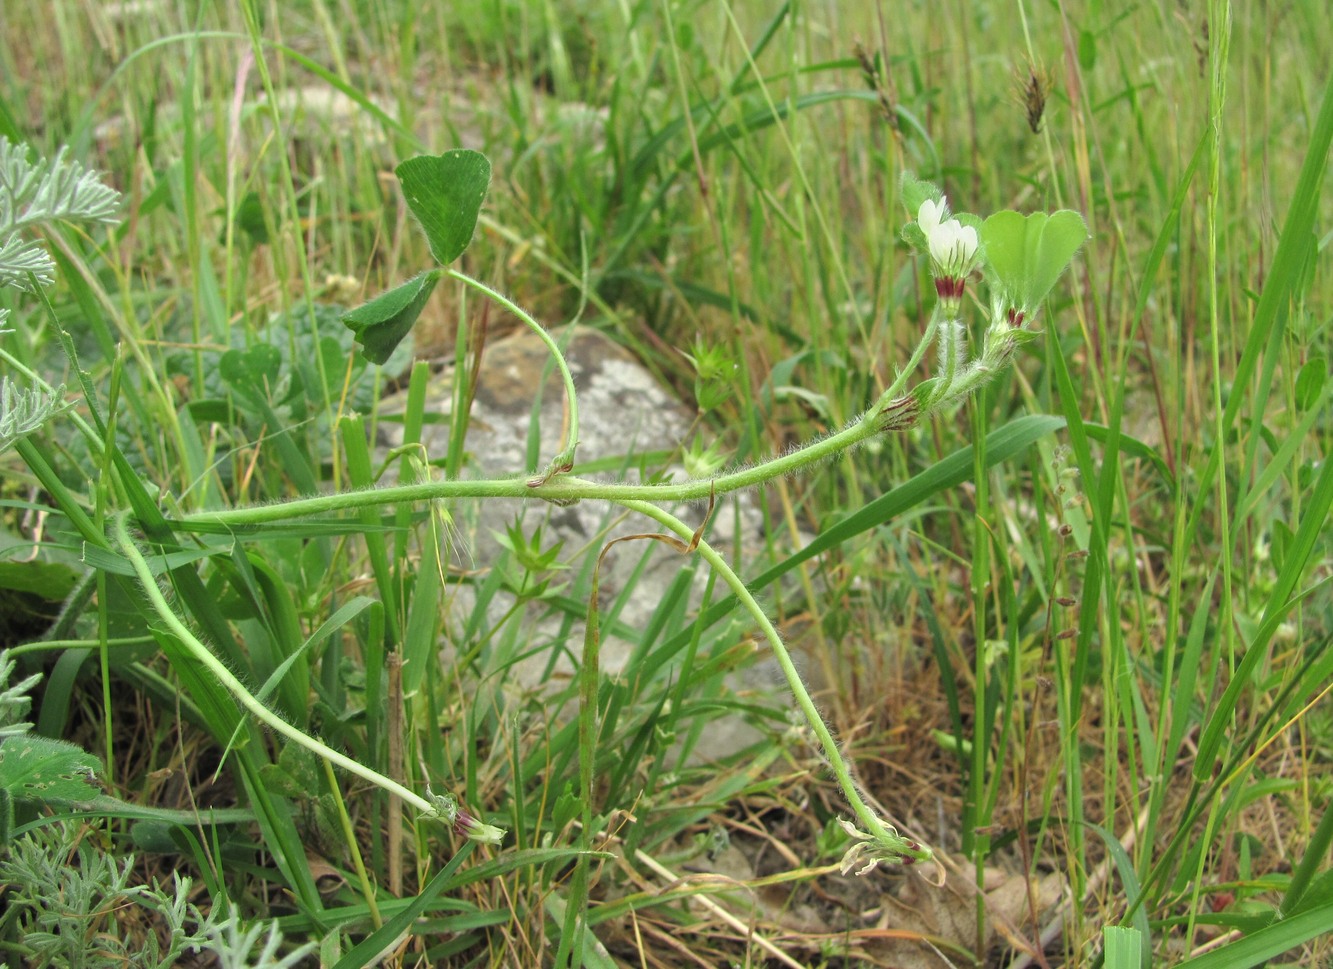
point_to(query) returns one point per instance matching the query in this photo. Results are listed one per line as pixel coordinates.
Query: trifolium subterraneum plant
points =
(1020, 256)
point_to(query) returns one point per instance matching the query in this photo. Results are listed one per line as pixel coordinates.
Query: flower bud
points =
(952, 247)
(466, 826)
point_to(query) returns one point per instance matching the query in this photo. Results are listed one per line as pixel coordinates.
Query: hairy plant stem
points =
(565, 488)
(889, 839)
(565, 459)
(237, 689)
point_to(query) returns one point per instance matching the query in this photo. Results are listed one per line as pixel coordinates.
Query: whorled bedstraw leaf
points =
(381, 324)
(445, 193)
(1025, 255)
(36, 768)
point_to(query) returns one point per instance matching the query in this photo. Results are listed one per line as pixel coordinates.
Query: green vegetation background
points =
(1103, 657)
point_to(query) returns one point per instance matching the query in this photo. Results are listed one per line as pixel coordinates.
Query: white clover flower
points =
(953, 247)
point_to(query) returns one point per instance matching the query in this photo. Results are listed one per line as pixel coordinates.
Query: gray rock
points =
(624, 413)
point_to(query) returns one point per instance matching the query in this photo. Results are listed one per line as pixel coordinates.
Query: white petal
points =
(952, 246)
(930, 214)
(942, 241)
(852, 830)
(967, 237)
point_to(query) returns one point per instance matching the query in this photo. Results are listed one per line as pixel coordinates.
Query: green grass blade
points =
(1258, 947)
(1276, 465)
(1313, 524)
(1002, 444)
(385, 936)
(1315, 853)
(1124, 947)
(1283, 278)
(1124, 866)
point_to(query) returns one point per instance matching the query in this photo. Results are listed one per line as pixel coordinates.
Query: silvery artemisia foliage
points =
(64, 892)
(14, 700)
(35, 193)
(23, 411)
(39, 193)
(60, 884)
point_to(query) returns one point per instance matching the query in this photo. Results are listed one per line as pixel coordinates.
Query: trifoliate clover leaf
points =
(1025, 255)
(381, 324)
(445, 193)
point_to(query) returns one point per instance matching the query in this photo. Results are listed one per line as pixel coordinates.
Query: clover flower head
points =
(466, 826)
(448, 810)
(868, 852)
(953, 248)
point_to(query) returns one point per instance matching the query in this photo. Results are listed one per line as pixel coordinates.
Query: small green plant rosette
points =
(714, 372)
(1026, 254)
